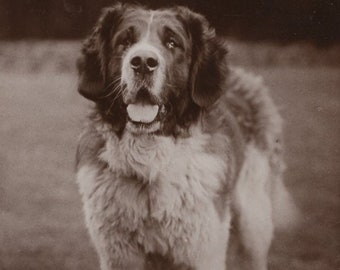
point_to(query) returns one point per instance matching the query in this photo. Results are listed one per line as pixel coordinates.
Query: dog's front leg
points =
(211, 251)
(116, 251)
(214, 254)
(112, 237)
(124, 261)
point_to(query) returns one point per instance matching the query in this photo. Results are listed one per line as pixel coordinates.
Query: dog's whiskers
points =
(119, 93)
(114, 81)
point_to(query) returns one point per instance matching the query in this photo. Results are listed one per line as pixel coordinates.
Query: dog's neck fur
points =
(153, 158)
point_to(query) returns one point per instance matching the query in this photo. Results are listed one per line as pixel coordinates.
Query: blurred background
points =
(283, 21)
(293, 44)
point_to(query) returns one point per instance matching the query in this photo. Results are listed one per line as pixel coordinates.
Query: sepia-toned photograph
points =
(169, 135)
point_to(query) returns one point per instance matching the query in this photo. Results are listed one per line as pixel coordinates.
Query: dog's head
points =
(151, 71)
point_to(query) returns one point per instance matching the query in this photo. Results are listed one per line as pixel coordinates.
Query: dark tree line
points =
(284, 21)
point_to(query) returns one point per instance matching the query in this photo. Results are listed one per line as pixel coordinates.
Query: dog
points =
(180, 164)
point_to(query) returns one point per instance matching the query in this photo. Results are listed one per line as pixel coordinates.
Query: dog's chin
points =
(139, 128)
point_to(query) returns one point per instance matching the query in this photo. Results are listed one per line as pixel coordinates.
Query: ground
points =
(41, 221)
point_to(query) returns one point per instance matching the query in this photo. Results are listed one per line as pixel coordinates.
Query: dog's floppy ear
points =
(92, 64)
(208, 60)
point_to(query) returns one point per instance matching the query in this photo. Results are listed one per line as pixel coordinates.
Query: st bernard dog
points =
(180, 164)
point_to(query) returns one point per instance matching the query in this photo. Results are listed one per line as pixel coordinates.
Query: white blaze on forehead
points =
(152, 14)
(143, 113)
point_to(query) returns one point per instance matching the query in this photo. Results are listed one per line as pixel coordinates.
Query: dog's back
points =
(261, 123)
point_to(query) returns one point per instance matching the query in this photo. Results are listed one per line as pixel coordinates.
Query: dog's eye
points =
(171, 43)
(127, 39)
(126, 42)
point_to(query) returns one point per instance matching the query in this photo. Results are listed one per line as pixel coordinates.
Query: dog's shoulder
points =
(90, 144)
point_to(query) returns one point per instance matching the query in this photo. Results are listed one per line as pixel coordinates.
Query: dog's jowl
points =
(181, 157)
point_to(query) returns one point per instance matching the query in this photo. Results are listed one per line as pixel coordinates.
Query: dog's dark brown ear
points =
(208, 64)
(92, 64)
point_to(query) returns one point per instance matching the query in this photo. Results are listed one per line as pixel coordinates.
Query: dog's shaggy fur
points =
(192, 187)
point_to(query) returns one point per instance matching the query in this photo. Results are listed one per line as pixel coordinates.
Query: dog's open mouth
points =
(142, 113)
(144, 117)
(145, 112)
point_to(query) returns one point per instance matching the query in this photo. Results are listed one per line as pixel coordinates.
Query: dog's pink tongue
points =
(144, 113)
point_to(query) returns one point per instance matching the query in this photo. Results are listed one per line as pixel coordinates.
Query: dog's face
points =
(151, 71)
(155, 56)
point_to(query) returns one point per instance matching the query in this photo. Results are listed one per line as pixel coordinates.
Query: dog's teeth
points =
(142, 113)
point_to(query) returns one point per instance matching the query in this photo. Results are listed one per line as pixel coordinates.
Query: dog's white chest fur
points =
(163, 159)
(150, 184)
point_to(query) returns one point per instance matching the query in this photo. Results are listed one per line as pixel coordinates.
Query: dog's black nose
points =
(144, 62)
(136, 62)
(151, 63)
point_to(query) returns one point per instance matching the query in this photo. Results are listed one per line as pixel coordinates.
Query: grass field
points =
(41, 223)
